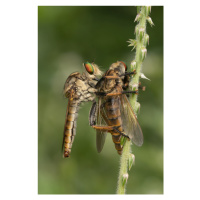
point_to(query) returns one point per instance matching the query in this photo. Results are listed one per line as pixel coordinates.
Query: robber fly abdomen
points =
(70, 127)
(112, 110)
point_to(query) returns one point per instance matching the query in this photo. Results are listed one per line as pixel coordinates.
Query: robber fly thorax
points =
(113, 112)
(78, 88)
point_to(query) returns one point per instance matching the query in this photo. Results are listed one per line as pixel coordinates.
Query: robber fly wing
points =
(130, 123)
(100, 134)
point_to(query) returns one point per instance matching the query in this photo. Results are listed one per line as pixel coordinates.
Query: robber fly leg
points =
(100, 93)
(121, 133)
(129, 73)
(95, 79)
(116, 93)
(141, 87)
(103, 128)
(111, 77)
(128, 92)
(92, 116)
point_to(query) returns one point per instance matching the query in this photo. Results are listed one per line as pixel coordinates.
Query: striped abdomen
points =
(114, 119)
(70, 126)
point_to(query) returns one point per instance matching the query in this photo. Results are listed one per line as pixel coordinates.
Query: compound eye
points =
(124, 64)
(89, 68)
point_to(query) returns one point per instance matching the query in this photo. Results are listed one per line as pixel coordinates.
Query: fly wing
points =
(100, 135)
(93, 114)
(129, 122)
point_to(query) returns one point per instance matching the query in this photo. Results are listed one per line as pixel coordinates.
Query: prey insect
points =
(78, 88)
(113, 112)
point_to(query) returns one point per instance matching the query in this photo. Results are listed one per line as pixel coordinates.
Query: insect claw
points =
(136, 91)
(141, 87)
(134, 71)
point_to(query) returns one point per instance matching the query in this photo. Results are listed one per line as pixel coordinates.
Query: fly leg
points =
(110, 128)
(135, 91)
(116, 93)
(120, 93)
(95, 79)
(100, 93)
(103, 128)
(128, 73)
(128, 92)
(141, 87)
(121, 133)
(92, 116)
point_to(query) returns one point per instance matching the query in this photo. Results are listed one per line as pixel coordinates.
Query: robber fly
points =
(78, 88)
(113, 112)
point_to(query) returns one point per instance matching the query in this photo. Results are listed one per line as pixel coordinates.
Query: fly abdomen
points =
(114, 119)
(113, 115)
(70, 127)
(113, 109)
(71, 117)
(116, 137)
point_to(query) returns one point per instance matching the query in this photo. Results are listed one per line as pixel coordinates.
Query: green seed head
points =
(150, 21)
(131, 161)
(133, 65)
(124, 179)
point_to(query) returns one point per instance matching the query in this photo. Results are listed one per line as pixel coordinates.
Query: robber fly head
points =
(119, 67)
(92, 69)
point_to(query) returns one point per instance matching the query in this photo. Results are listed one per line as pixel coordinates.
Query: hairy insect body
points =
(112, 108)
(113, 111)
(78, 88)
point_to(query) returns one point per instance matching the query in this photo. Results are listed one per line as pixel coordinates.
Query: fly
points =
(78, 88)
(113, 112)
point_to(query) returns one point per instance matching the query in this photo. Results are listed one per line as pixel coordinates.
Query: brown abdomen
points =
(114, 119)
(70, 127)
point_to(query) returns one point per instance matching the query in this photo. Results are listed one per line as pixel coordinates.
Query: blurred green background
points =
(67, 37)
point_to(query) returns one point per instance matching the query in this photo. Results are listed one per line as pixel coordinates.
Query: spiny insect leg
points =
(121, 133)
(103, 128)
(128, 92)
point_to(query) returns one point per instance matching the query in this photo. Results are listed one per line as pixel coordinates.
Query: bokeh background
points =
(67, 37)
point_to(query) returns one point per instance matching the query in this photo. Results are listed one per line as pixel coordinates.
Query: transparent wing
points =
(100, 135)
(129, 121)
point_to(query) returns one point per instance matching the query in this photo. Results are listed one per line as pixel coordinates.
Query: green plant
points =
(140, 44)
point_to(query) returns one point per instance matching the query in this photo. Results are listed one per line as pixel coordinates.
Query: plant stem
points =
(123, 168)
(140, 53)
(140, 44)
